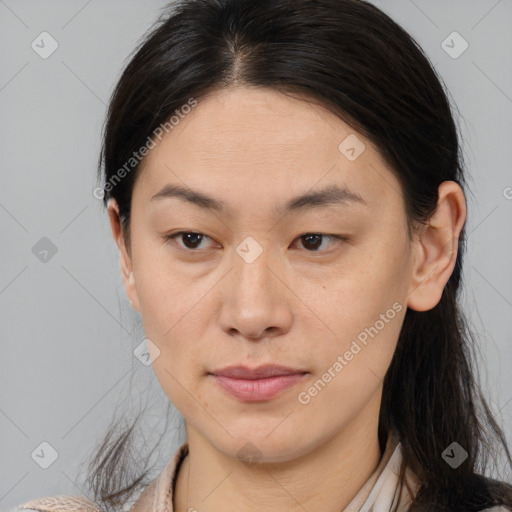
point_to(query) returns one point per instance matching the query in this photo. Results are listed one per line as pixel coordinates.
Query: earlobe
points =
(125, 261)
(436, 247)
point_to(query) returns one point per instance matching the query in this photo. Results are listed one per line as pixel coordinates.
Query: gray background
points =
(67, 331)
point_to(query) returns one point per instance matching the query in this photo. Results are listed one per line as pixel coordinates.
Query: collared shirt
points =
(378, 493)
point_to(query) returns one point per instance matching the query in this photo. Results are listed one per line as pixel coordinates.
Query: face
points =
(320, 287)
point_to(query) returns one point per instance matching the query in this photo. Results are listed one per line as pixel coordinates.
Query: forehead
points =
(242, 143)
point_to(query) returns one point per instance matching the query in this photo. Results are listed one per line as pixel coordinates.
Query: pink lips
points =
(258, 384)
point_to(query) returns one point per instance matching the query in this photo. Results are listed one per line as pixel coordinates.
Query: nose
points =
(257, 303)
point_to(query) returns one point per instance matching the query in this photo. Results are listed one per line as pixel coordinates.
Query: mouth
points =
(258, 384)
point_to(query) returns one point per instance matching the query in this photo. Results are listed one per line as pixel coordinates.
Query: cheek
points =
(364, 310)
(362, 347)
(351, 370)
(175, 314)
(354, 297)
(166, 294)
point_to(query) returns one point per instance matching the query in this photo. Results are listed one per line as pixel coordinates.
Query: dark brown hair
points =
(352, 58)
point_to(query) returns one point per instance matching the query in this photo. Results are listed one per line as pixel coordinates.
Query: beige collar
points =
(376, 495)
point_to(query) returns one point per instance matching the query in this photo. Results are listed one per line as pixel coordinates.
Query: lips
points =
(261, 372)
(257, 384)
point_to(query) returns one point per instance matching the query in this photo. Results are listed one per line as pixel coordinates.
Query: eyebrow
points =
(332, 195)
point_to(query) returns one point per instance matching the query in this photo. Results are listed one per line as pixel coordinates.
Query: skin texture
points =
(255, 149)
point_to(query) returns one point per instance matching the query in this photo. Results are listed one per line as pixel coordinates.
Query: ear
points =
(435, 248)
(124, 255)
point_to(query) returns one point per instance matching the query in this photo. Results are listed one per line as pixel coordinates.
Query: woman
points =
(284, 183)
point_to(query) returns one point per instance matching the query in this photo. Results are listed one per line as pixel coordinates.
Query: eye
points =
(190, 239)
(312, 241)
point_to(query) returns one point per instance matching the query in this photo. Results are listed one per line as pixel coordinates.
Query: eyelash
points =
(172, 236)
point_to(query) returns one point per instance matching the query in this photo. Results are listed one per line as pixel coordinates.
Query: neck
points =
(325, 479)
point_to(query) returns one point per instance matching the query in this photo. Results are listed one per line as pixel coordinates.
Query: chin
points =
(256, 445)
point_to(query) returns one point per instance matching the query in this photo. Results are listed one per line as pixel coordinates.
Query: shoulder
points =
(61, 503)
(484, 494)
(142, 503)
(497, 493)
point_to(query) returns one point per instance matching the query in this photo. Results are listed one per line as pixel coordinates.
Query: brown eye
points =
(189, 239)
(313, 241)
